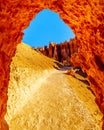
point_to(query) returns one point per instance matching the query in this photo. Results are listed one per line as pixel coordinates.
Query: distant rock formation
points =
(61, 52)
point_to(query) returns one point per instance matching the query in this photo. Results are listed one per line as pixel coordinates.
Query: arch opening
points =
(84, 17)
(47, 27)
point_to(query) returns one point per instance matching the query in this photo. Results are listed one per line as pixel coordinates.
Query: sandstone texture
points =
(85, 17)
(61, 52)
(39, 98)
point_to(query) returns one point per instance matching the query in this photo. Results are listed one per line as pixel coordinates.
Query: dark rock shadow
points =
(89, 88)
(62, 67)
(84, 81)
(59, 65)
(83, 74)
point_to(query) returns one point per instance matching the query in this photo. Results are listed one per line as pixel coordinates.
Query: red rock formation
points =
(51, 49)
(73, 46)
(61, 52)
(85, 17)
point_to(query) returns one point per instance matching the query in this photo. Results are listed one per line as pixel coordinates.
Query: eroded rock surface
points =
(61, 52)
(36, 87)
(86, 18)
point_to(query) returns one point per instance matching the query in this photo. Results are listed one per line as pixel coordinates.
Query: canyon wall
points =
(85, 17)
(61, 52)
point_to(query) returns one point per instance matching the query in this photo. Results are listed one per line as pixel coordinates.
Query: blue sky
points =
(46, 27)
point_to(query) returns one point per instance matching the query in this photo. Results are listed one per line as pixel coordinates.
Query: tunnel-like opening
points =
(47, 27)
(84, 17)
(46, 31)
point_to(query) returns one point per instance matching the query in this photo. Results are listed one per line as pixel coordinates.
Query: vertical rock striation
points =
(85, 17)
(61, 52)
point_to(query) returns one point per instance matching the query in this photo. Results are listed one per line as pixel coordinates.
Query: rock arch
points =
(85, 17)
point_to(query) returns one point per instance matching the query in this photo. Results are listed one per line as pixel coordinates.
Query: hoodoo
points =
(61, 52)
(85, 17)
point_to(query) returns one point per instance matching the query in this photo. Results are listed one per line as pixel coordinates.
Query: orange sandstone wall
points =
(85, 17)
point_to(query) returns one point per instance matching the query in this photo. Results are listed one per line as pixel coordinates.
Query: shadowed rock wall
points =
(85, 17)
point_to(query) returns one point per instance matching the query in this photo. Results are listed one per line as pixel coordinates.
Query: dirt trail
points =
(51, 104)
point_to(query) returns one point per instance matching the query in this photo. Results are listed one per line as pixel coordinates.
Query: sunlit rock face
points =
(39, 99)
(61, 52)
(86, 18)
